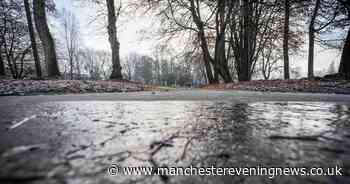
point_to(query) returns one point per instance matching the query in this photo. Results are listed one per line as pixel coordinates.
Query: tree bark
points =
(312, 31)
(286, 38)
(208, 60)
(113, 40)
(71, 68)
(78, 66)
(2, 64)
(32, 39)
(46, 38)
(243, 74)
(221, 66)
(344, 67)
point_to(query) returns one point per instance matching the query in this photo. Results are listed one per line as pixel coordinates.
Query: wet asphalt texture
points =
(75, 138)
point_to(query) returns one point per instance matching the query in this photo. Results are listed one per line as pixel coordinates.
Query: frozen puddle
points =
(92, 135)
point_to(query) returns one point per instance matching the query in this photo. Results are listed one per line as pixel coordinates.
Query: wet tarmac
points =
(53, 140)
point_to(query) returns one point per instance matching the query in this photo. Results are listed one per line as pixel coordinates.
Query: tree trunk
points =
(113, 40)
(46, 38)
(344, 67)
(208, 60)
(310, 66)
(2, 65)
(32, 39)
(243, 74)
(310, 73)
(208, 71)
(286, 38)
(78, 66)
(71, 68)
(206, 57)
(221, 66)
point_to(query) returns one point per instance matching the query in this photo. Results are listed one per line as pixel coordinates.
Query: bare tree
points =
(181, 18)
(208, 60)
(286, 38)
(71, 37)
(225, 31)
(129, 63)
(14, 45)
(344, 67)
(113, 39)
(269, 62)
(32, 39)
(95, 63)
(252, 29)
(78, 64)
(46, 38)
(328, 12)
(2, 64)
(312, 40)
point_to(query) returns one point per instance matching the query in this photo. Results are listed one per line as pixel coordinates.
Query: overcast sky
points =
(131, 29)
(94, 35)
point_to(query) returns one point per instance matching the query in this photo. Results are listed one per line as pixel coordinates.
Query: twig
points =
(185, 149)
(161, 144)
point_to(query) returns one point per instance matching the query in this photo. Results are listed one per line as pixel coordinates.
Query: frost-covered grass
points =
(31, 87)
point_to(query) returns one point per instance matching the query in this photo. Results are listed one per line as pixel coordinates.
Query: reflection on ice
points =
(296, 118)
(205, 133)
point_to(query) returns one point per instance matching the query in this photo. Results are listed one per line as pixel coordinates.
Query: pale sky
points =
(94, 35)
(130, 37)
